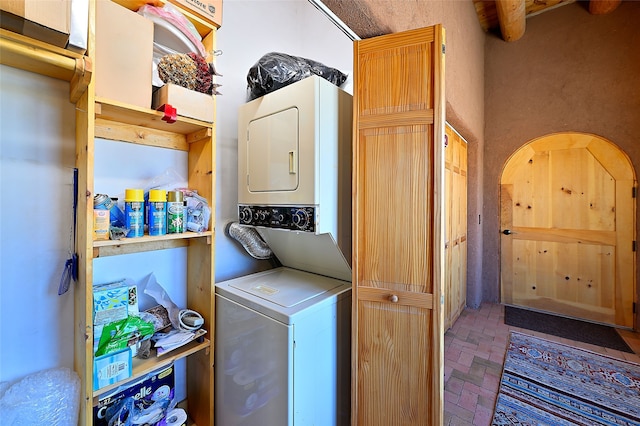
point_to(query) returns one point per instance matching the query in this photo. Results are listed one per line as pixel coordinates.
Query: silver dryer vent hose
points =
(249, 238)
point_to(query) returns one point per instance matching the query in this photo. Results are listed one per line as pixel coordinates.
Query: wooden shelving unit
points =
(112, 120)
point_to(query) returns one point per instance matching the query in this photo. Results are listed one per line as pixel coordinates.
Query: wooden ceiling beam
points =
(602, 7)
(511, 15)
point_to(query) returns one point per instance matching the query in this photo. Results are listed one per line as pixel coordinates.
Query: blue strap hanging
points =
(70, 270)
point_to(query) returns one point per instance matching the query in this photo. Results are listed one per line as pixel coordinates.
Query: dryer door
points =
(272, 152)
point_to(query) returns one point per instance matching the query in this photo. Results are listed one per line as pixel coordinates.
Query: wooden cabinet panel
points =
(394, 351)
(398, 241)
(395, 209)
(455, 271)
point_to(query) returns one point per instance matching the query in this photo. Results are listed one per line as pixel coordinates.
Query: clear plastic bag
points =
(160, 295)
(276, 70)
(198, 211)
(169, 17)
(169, 178)
(171, 14)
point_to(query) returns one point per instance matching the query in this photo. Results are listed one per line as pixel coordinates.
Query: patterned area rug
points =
(548, 383)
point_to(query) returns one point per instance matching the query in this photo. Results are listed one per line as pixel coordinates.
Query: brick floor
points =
(473, 357)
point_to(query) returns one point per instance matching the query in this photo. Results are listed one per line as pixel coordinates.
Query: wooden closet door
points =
(455, 243)
(398, 229)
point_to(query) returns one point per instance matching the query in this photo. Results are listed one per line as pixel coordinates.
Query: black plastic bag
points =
(276, 70)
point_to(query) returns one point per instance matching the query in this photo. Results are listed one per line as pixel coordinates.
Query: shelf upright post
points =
(83, 295)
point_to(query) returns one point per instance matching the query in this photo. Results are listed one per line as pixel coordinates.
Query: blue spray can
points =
(134, 212)
(157, 219)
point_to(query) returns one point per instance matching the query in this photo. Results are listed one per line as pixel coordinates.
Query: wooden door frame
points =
(626, 171)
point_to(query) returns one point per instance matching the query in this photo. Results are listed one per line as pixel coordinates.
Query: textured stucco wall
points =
(464, 81)
(571, 71)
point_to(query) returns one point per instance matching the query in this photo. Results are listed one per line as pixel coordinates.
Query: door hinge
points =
(634, 245)
(634, 191)
(634, 307)
(443, 49)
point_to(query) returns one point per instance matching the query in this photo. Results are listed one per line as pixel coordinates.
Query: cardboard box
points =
(124, 54)
(111, 368)
(188, 103)
(113, 302)
(101, 224)
(47, 21)
(158, 386)
(208, 10)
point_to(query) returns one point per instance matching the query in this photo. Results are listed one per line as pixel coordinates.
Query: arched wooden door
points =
(568, 228)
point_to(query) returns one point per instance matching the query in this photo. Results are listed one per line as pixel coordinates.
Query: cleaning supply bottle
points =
(134, 212)
(175, 212)
(157, 219)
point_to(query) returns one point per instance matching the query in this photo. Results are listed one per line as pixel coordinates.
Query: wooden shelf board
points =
(103, 248)
(145, 366)
(110, 110)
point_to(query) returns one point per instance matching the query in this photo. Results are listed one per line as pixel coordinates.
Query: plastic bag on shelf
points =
(173, 34)
(198, 211)
(276, 70)
(172, 15)
(160, 295)
(121, 334)
(188, 70)
(48, 397)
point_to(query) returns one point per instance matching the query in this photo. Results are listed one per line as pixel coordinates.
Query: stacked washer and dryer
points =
(283, 336)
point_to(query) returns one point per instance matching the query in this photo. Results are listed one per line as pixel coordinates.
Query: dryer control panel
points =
(285, 217)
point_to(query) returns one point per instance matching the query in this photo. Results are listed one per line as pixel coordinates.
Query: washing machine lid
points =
(285, 287)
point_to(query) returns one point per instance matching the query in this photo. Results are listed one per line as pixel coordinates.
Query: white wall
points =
(37, 146)
(37, 152)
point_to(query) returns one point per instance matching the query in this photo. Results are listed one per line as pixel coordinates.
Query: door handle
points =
(507, 232)
(292, 163)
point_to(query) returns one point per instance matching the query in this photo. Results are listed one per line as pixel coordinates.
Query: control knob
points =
(246, 215)
(300, 218)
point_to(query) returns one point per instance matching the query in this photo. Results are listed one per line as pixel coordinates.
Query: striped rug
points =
(548, 383)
